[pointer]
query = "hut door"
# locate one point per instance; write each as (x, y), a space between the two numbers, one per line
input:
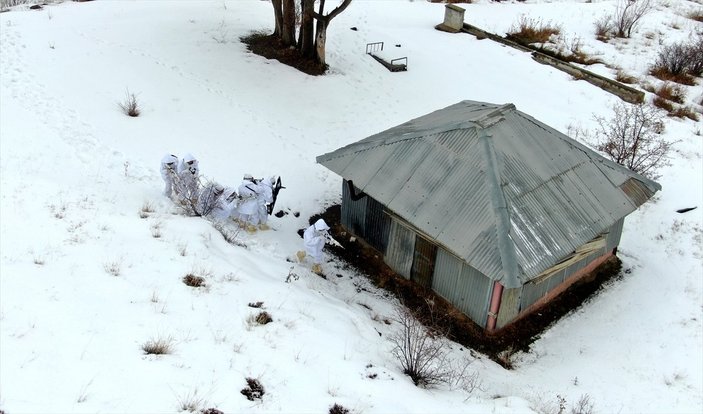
(423, 262)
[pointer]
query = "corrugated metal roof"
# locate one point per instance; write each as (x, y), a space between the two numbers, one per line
(503, 191)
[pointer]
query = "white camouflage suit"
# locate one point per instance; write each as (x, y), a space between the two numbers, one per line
(249, 204)
(265, 198)
(169, 165)
(188, 178)
(314, 241)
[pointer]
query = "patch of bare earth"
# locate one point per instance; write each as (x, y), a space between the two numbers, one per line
(270, 47)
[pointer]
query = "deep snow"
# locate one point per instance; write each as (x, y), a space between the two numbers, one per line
(75, 174)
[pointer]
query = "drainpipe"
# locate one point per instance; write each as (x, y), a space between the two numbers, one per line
(495, 306)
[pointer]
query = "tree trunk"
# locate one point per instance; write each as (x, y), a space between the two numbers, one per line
(323, 22)
(320, 40)
(307, 32)
(288, 26)
(278, 18)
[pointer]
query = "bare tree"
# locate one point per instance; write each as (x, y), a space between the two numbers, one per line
(421, 354)
(312, 37)
(323, 21)
(628, 14)
(632, 138)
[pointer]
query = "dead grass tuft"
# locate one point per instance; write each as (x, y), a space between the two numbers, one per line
(254, 390)
(696, 15)
(623, 77)
(130, 105)
(671, 92)
(663, 104)
(158, 346)
(193, 280)
(529, 30)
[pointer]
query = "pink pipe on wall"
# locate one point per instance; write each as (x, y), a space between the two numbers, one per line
(495, 306)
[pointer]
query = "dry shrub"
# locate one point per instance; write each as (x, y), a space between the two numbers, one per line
(211, 411)
(665, 75)
(130, 105)
(603, 28)
(663, 104)
(193, 280)
(623, 77)
(158, 346)
(696, 15)
(528, 30)
(685, 112)
(680, 62)
(671, 92)
(338, 409)
(263, 318)
(254, 390)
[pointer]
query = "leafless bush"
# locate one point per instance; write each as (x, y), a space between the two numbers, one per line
(114, 268)
(338, 409)
(158, 346)
(631, 137)
(190, 402)
(229, 233)
(130, 105)
(680, 61)
(254, 390)
(421, 352)
(671, 92)
(695, 56)
(211, 411)
(672, 60)
(583, 406)
(529, 30)
(628, 14)
(604, 28)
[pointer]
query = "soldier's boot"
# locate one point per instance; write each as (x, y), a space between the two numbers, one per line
(301, 255)
(316, 268)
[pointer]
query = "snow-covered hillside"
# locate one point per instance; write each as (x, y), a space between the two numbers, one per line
(92, 255)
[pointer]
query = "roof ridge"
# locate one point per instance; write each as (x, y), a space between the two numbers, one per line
(506, 247)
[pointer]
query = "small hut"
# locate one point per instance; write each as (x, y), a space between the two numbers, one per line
(491, 209)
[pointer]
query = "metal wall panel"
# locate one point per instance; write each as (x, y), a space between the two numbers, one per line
(463, 286)
(400, 250)
(377, 225)
(615, 232)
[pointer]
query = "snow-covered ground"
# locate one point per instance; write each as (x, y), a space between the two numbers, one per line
(85, 282)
